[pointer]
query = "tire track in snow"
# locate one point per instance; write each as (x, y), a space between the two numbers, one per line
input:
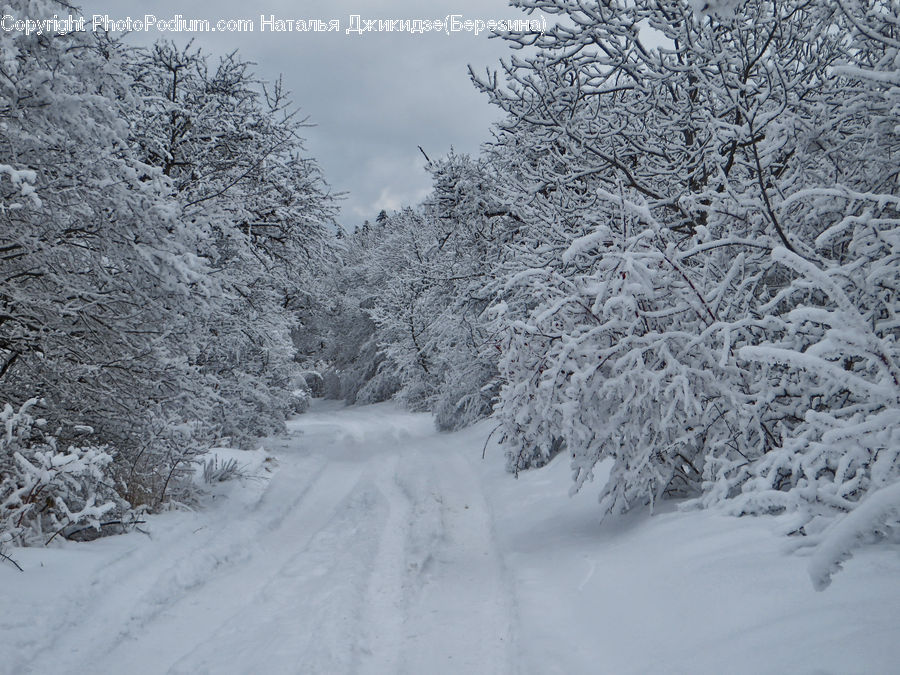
(384, 614)
(460, 613)
(230, 596)
(154, 575)
(308, 616)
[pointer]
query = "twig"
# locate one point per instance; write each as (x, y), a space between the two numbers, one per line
(484, 449)
(6, 557)
(121, 523)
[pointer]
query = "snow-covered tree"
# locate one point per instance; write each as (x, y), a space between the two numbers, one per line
(159, 224)
(96, 269)
(687, 182)
(419, 323)
(829, 353)
(232, 152)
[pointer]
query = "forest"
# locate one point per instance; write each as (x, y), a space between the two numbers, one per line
(678, 256)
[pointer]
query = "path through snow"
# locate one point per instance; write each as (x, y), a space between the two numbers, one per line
(370, 550)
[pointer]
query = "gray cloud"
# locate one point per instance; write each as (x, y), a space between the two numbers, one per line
(372, 98)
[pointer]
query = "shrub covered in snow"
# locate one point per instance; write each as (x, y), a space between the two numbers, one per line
(45, 490)
(877, 518)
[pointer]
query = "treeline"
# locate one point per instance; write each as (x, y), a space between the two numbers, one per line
(679, 254)
(160, 227)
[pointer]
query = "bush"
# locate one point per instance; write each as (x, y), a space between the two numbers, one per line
(45, 490)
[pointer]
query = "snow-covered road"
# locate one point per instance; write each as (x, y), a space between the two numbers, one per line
(377, 545)
(370, 550)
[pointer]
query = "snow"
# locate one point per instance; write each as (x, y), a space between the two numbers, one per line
(373, 544)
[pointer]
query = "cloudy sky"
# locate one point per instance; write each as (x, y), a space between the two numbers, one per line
(374, 97)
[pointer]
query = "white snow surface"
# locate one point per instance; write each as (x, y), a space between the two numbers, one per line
(374, 544)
